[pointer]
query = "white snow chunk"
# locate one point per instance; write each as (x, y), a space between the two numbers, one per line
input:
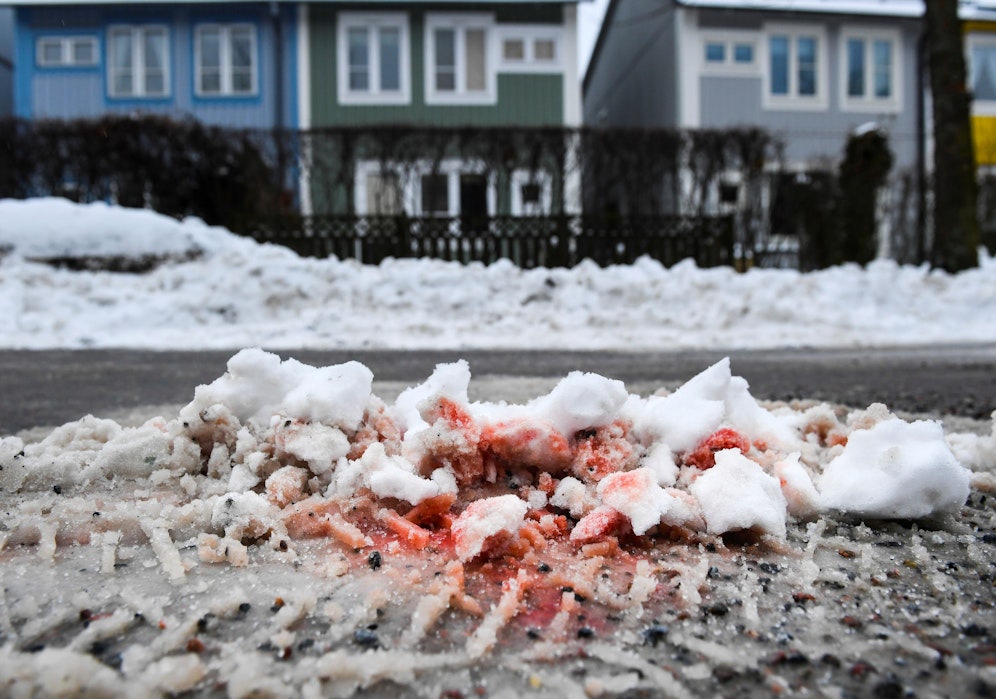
(387, 476)
(258, 385)
(797, 487)
(660, 459)
(690, 414)
(581, 401)
(749, 418)
(447, 381)
(737, 494)
(895, 469)
(319, 445)
(572, 495)
(636, 495)
(485, 518)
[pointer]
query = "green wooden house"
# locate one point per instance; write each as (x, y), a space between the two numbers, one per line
(453, 111)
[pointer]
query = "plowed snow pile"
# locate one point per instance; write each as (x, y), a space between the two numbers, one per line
(289, 533)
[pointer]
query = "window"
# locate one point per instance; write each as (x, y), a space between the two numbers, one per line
(66, 51)
(373, 58)
(138, 62)
(796, 74)
(871, 70)
(982, 72)
(529, 48)
(730, 53)
(383, 194)
(513, 50)
(225, 59)
(458, 61)
(531, 194)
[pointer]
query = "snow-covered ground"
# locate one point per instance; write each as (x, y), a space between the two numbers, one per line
(239, 294)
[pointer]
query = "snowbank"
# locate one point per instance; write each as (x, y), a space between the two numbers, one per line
(240, 294)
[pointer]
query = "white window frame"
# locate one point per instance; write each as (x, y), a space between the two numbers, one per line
(227, 88)
(793, 100)
(870, 103)
(530, 34)
(980, 107)
(138, 32)
(460, 23)
(67, 45)
(730, 40)
(522, 177)
(372, 22)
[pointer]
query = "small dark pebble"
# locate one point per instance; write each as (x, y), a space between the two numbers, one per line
(973, 630)
(543, 568)
(989, 538)
(586, 632)
(305, 643)
(888, 689)
(713, 572)
(244, 608)
(202, 623)
(374, 560)
(366, 638)
(788, 657)
(85, 615)
(99, 647)
(724, 673)
(983, 689)
(710, 547)
(35, 648)
(57, 489)
(654, 634)
(266, 647)
(889, 544)
(770, 568)
(718, 609)
(830, 659)
(532, 634)
(579, 597)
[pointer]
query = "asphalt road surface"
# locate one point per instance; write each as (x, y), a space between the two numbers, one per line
(51, 387)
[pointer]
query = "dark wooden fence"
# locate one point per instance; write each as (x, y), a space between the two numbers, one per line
(542, 241)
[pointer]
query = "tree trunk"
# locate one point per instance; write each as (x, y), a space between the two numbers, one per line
(956, 226)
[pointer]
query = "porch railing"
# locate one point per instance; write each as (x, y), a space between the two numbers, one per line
(527, 241)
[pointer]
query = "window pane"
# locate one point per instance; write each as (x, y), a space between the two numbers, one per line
(983, 74)
(390, 59)
(806, 46)
(882, 58)
(210, 82)
(155, 50)
(715, 52)
(155, 83)
(476, 61)
(435, 194)
(242, 81)
(779, 65)
(514, 50)
(743, 53)
(445, 59)
(241, 48)
(855, 68)
(51, 51)
(83, 52)
(123, 84)
(383, 194)
(210, 48)
(545, 50)
(359, 58)
(121, 50)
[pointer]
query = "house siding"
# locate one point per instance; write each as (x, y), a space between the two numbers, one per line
(819, 134)
(649, 74)
(633, 82)
(523, 99)
(67, 93)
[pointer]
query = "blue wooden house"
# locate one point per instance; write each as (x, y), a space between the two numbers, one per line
(224, 63)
